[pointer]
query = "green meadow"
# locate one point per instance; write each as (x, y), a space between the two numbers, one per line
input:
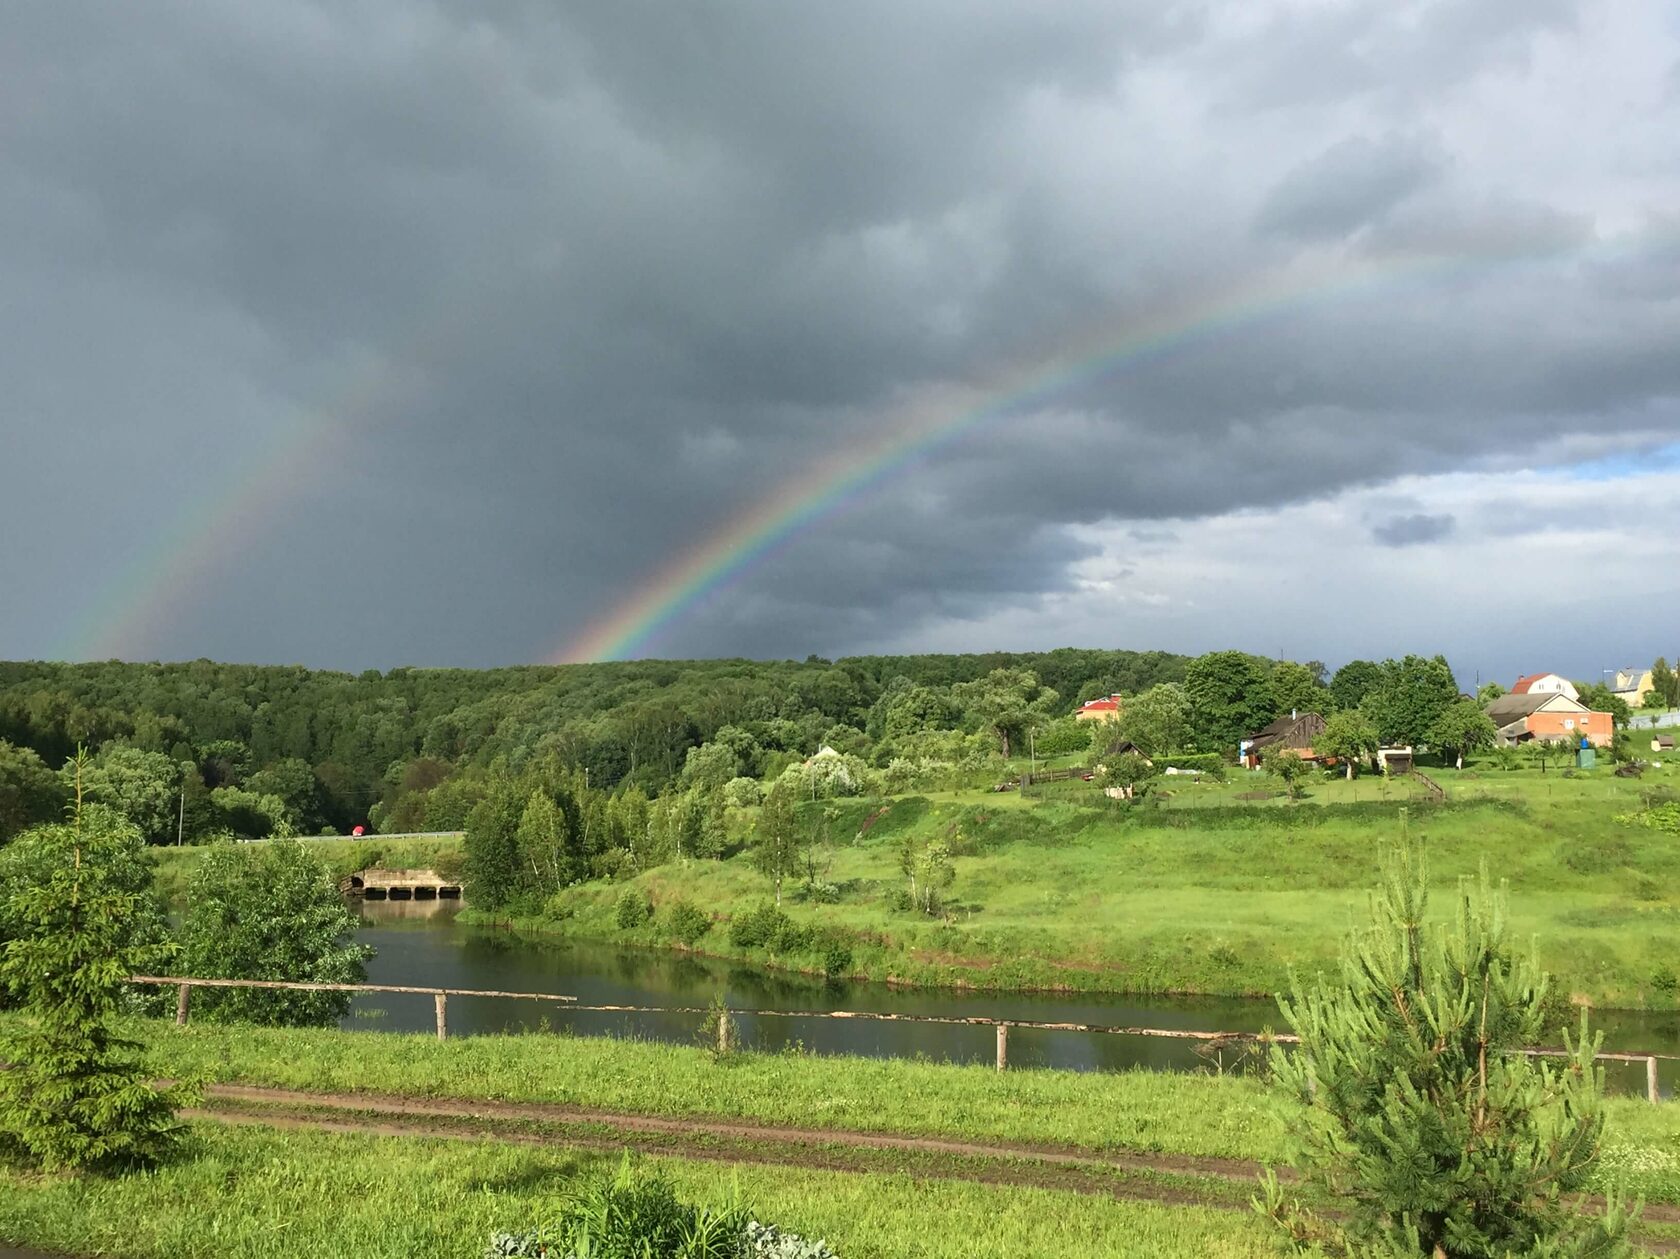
(260, 1192)
(263, 1194)
(1222, 889)
(1219, 896)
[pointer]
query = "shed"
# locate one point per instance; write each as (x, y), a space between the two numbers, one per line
(1394, 760)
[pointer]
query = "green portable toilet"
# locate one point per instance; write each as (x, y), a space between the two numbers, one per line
(1586, 756)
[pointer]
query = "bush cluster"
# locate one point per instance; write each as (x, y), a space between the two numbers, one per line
(629, 1216)
(686, 921)
(633, 909)
(768, 928)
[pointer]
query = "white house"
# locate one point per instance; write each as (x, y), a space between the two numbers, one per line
(1545, 684)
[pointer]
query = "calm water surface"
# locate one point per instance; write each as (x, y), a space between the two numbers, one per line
(421, 943)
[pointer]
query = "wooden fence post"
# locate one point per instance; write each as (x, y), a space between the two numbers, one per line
(181, 999)
(1651, 1089)
(1002, 1046)
(442, 1016)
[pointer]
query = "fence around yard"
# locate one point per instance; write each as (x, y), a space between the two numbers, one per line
(440, 996)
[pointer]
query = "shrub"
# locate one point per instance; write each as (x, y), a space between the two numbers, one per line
(792, 937)
(632, 909)
(686, 922)
(818, 892)
(756, 928)
(837, 957)
(629, 1216)
(1665, 981)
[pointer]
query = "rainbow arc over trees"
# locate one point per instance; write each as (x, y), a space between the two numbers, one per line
(139, 603)
(837, 482)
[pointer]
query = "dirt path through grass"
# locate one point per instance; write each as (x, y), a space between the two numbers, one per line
(1219, 1183)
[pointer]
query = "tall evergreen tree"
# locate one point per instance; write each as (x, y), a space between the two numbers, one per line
(1413, 1110)
(77, 1094)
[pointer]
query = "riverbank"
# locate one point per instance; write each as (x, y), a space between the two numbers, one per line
(1221, 901)
(405, 1146)
(1053, 895)
(444, 853)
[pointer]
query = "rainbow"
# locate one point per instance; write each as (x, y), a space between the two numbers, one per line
(917, 431)
(132, 613)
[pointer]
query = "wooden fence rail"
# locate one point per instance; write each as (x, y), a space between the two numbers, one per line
(440, 995)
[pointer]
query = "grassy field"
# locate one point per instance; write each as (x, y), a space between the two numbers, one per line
(1220, 897)
(262, 1194)
(1198, 890)
(252, 1191)
(1220, 1116)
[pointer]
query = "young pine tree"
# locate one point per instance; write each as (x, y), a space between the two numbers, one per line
(77, 1094)
(1413, 1112)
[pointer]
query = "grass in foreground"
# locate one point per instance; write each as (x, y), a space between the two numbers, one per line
(1147, 1112)
(260, 1194)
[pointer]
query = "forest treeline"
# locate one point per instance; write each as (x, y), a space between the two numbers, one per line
(200, 748)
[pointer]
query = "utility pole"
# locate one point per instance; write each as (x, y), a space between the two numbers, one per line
(181, 817)
(1032, 757)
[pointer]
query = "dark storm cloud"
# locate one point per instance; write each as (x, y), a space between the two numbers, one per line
(1413, 530)
(1347, 186)
(571, 287)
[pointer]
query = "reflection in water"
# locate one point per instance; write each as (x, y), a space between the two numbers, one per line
(420, 943)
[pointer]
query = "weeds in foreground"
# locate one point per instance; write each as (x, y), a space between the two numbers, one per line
(631, 1215)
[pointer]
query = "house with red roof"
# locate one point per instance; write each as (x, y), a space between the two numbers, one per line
(1544, 684)
(1107, 708)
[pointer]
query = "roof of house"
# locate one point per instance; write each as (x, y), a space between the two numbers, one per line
(1107, 703)
(1295, 730)
(1526, 683)
(1514, 707)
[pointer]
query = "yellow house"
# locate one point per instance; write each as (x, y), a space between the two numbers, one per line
(1632, 686)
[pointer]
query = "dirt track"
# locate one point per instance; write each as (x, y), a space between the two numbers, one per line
(1218, 1183)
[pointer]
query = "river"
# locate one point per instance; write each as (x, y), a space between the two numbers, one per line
(421, 943)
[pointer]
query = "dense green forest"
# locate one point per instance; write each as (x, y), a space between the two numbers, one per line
(200, 748)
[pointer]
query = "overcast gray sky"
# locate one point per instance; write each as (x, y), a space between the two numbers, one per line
(376, 333)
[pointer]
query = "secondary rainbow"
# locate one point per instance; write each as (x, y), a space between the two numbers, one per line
(844, 477)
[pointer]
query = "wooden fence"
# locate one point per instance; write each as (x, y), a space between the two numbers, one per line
(440, 996)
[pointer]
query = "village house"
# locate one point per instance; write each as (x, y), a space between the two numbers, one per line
(1521, 718)
(1107, 708)
(1295, 732)
(1631, 686)
(1545, 684)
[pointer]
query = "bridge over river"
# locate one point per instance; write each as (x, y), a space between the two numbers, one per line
(378, 884)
